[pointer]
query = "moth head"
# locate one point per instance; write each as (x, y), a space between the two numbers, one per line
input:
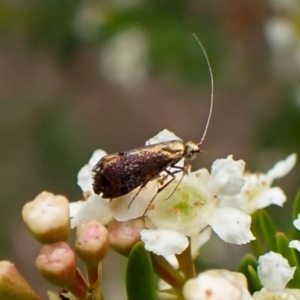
(191, 150)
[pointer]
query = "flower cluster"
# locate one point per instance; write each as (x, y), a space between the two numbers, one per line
(172, 229)
(274, 273)
(226, 195)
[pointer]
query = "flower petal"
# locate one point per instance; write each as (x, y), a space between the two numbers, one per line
(270, 196)
(163, 136)
(132, 206)
(75, 207)
(231, 225)
(197, 241)
(296, 222)
(94, 208)
(286, 294)
(96, 156)
(295, 244)
(188, 208)
(274, 271)
(84, 177)
(227, 176)
(282, 167)
(164, 242)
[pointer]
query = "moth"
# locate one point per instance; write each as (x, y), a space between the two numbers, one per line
(119, 173)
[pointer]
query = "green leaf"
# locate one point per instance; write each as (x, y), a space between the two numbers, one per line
(296, 211)
(256, 245)
(248, 266)
(247, 260)
(290, 255)
(268, 229)
(255, 282)
(140, 282)
(282, 243)
(264, 230)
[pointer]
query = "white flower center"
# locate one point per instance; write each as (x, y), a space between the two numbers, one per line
(187, 209)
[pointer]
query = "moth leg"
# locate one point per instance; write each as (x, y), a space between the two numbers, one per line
(183, 173)
(181, 169)
(142, 186)
(164, 177)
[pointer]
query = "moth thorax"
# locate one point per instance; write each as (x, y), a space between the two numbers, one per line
(191, 150)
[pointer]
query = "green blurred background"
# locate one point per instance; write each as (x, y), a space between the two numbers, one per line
(80, 75)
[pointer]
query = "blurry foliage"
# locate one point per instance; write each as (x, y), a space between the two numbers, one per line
(283, 128)
(47, 23)
(168, 25)
(50, 22)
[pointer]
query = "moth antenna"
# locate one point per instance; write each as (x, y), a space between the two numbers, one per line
(212, 90)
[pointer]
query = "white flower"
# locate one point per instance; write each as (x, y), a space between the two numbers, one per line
(195, 204)
(287, 294)
(124, 57)
(187, 210)
(257, 193)
(217, 285)
(281, 34)
(274, 273)
(164, 242)
(94, 207)
(226, 177)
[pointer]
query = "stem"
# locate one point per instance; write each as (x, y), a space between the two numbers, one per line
(186, 263)
(92, 274)
(164, 270)
(96, 288)
(79, 287)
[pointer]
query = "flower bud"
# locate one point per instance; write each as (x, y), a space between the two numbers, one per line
(12, 284)
(123, 235)
(91, 242)
(57, 264)
(47, 218)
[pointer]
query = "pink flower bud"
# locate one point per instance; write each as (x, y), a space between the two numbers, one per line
(91, 243)
(57, 263)
(123, 235)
